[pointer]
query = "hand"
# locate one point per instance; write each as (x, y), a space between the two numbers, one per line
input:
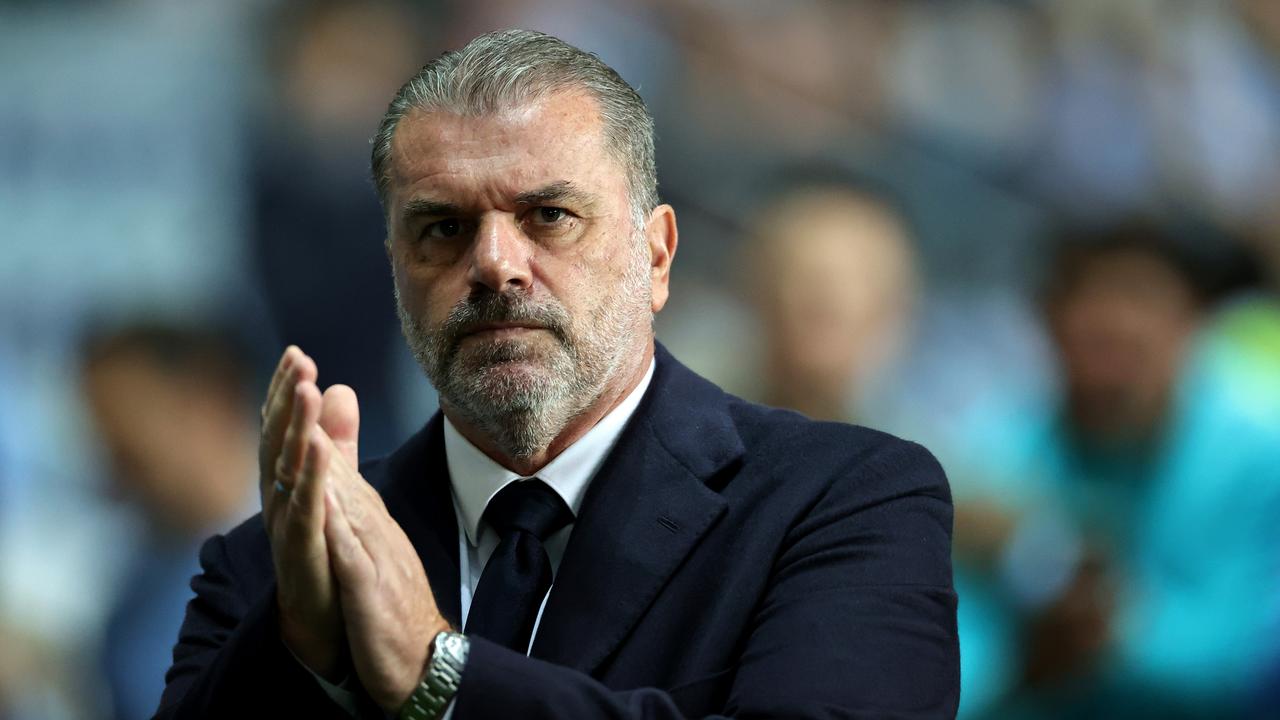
(391, 616)
(1072, 634)
(293, 511)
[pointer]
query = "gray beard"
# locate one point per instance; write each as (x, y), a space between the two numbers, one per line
(523, 408)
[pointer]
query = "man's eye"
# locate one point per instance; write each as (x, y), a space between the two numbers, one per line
(549, 215)
(443, 229)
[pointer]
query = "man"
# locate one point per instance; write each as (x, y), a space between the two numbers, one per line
(1136, 562)
(835, 296)
(709, 557)
(182, 471)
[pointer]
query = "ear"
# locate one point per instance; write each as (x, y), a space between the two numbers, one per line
(663, 237)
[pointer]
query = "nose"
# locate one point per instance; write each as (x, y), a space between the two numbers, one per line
(500, 255)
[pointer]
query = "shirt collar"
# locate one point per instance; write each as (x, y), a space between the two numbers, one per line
(476, 478)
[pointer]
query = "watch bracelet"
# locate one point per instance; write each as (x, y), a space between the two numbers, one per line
(438, 686)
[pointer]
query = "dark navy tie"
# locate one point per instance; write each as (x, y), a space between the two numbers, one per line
(516, 578)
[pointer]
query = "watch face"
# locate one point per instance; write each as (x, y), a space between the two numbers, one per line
(455, 645)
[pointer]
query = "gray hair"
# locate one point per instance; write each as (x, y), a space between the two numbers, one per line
(511, 68)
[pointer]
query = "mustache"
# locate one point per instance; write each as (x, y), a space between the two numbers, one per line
(484, 308)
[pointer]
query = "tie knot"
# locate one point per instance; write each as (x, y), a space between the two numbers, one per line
(528, 505)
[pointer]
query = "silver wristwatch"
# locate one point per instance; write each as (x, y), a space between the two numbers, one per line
(444, 672)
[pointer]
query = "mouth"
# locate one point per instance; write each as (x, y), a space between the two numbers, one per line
(500, 330)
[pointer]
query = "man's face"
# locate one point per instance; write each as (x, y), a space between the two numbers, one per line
(1122, 332)
(179, 440)
(523, 283)
(836, 289)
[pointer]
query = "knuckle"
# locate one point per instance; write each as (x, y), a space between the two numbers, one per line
(356, 515)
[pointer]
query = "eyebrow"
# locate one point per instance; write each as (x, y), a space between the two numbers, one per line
(421, 207)
(557, 192)
(561, 191)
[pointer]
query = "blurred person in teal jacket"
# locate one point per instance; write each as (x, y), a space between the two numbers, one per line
(1139, 505)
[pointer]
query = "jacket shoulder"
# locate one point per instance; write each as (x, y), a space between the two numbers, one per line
(785, 445)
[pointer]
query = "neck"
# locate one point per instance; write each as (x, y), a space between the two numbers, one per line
(816, 399)
(615, 391)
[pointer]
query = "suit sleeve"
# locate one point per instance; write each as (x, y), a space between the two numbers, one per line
(229, 661)
(858, 619)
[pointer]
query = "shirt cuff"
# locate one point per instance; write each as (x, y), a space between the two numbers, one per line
(345, 697)
(341, 693)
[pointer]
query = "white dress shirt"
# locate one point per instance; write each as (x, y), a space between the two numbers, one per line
(475, 479)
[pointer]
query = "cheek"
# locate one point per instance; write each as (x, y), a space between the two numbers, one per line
(580, 280)
(574, 293)
(421, 291)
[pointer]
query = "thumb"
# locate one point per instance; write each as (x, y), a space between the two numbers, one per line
(340, 419)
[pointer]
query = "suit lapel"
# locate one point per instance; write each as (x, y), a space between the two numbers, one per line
(414, 482)
(645, 511)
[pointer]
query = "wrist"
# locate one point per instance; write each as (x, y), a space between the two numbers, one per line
(446, 658)
(441, 626)
(319, 655)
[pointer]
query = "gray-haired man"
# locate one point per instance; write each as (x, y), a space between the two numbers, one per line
(587, 529)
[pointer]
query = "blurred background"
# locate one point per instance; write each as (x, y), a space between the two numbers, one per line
(1041, 237)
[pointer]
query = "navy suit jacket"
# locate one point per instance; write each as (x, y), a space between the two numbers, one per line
(728, 560)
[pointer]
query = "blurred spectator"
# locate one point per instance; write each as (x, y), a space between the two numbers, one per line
(172, 407)
(1245, 343)
(1122, 308)
(834, 281)
(316, 226)
(835, 316)
(844, 330)
(120, 188)
(1138, 508)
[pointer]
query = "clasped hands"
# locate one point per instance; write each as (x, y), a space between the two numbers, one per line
(347, 575)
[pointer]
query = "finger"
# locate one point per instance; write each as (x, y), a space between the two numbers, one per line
(283, 367)
(278, 405)
(288, 463)
(340, 418)
(268, 451)
(306, 413)
(306, 505)
(300, 550)
(347, 489)
(352, 564)
(280, 410)
(278, 482)
(340, 412)
(362, 507)
(267, 443)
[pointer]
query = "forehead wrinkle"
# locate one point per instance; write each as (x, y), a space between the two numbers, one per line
(489, 160)
(483, 137)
